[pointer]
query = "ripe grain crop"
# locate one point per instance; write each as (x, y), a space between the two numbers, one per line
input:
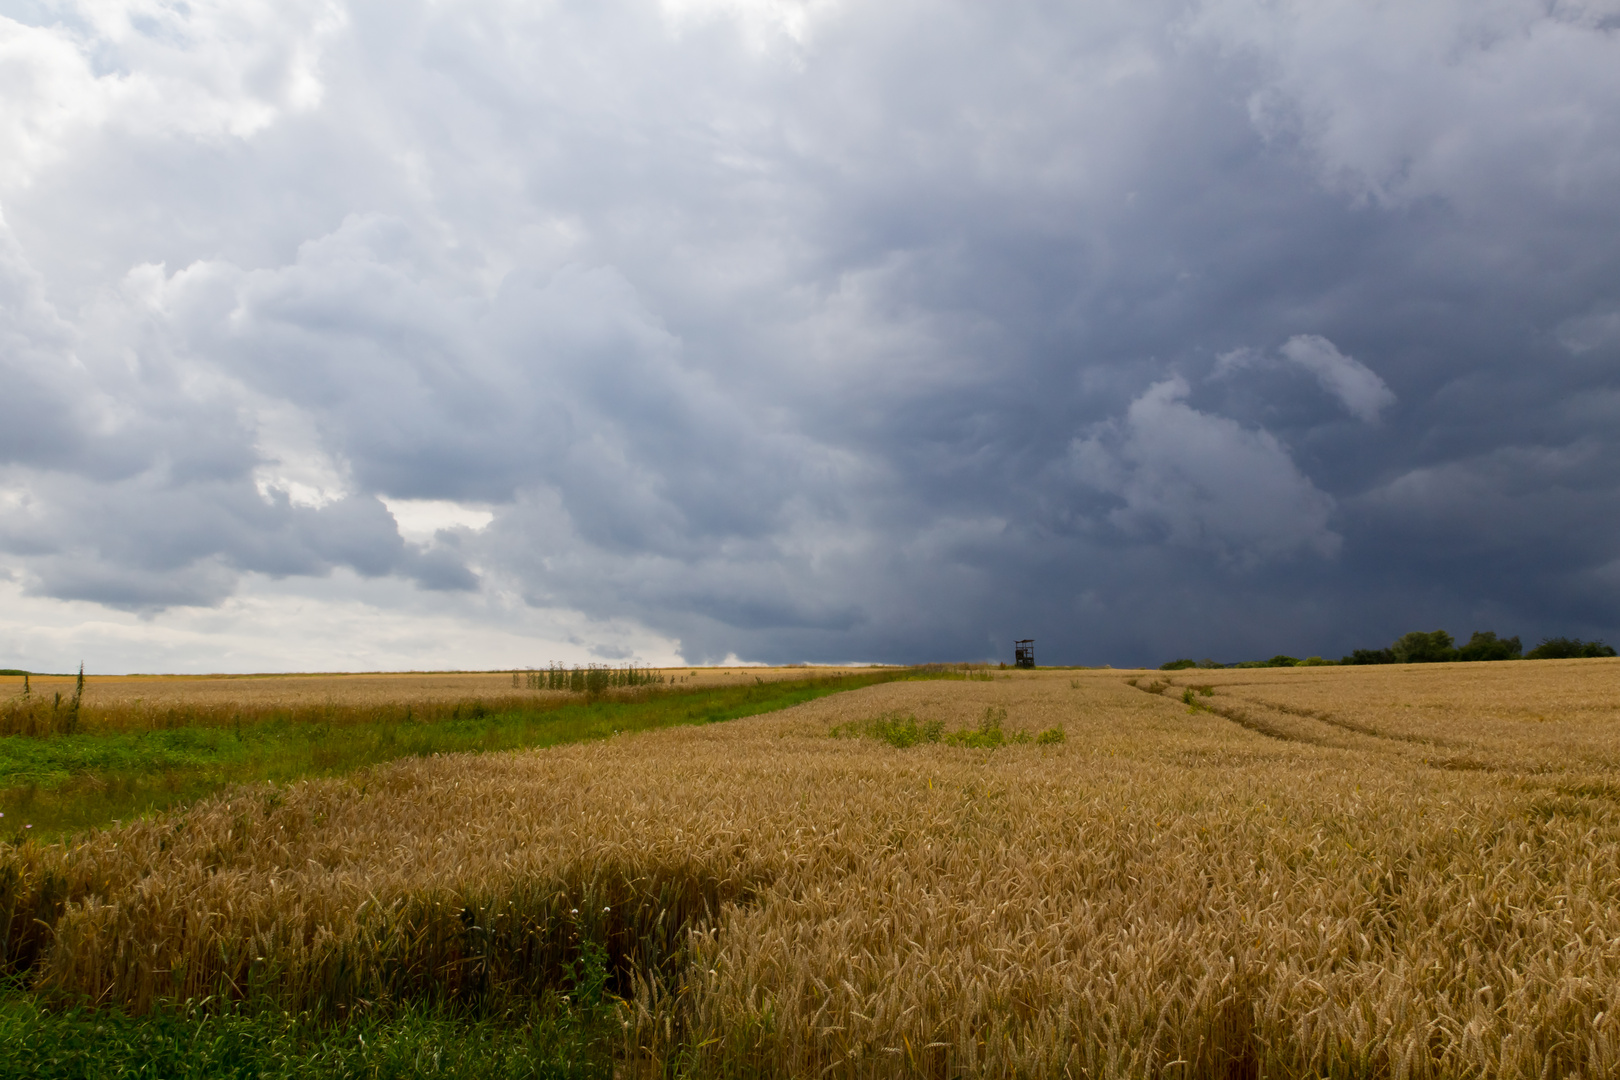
(1307, 872)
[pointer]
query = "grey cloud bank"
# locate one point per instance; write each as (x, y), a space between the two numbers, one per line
(812, 331)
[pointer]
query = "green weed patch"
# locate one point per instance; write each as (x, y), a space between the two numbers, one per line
(546, 1040)
(906, 730)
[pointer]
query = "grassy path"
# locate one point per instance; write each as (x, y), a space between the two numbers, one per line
(53, 786)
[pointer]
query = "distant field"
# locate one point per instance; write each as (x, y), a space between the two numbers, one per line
(133, 745)
(114, 693)
(1347, 872)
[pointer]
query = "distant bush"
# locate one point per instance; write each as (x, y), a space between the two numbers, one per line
(1485, 645)
(1561, 648)
(1434, 647)
(1429, 647)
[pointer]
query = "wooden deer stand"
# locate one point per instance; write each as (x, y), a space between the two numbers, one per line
(1024, 653)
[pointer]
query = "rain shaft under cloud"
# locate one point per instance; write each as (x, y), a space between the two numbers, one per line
(804, 331)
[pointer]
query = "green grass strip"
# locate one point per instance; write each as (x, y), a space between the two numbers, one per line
(61, 784)
(541, 1041)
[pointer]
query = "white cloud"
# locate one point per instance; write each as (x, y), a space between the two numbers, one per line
(48, 90)
(760, 19)
(1360, 389)
(1597, 329)
(1468, 101)
(340, 624)
(420, 519)
(295, 463)
(1204, 481)
(205, 69)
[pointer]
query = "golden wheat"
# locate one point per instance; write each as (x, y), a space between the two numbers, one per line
(1309, 872)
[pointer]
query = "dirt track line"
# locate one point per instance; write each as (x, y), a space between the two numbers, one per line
(1236, 716)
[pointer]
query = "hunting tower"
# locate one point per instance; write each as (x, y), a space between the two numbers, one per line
(1024, 653)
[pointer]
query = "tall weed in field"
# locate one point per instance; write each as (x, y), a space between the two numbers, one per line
(28, 715)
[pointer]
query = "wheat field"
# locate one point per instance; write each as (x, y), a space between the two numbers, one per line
(112, 692)
(1346, 872)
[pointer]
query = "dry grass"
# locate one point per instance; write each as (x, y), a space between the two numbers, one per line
(1352, 872)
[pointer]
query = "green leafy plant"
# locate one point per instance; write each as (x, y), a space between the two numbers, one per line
(989, 734)
(586, 976)
(1191, 694)
(895, 729)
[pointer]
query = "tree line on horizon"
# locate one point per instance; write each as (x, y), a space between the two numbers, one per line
(1428, 647)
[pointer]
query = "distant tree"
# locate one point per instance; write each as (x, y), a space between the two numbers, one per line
(1316, 661)
(1206, 662)
(1419, 648)
(1369, 656)
(1485, 645)
(1561, 648)
(1178, 665)
(1282, 661)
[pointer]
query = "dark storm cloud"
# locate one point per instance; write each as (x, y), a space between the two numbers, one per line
(826, 331)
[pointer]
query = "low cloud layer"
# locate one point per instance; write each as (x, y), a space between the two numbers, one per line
(806, 331)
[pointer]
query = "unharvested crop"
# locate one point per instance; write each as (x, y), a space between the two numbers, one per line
(1316, 872)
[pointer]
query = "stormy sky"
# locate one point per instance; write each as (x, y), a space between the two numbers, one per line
(485, 333)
